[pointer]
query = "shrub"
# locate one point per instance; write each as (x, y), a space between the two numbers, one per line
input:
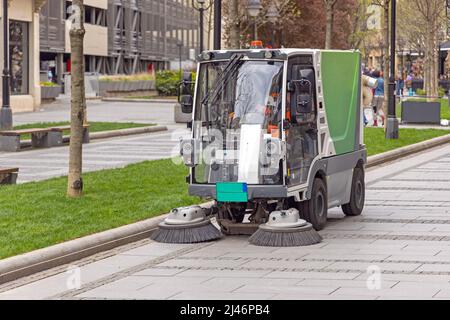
(48, 84)
(421, 92)
(167, 82)
(126, 78)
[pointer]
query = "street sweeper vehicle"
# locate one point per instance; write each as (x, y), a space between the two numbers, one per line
(277, 140)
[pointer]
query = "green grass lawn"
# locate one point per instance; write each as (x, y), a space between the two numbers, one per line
(153, 97)
(376, 143)
(94, 126)
(445, 109)
(38, 214)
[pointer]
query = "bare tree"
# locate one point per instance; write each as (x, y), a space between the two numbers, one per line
(235, 42)
(329, 9)
(78, 100)
(431, 12)
(237, 23)
(209, 18)
(385, 5)
(361, 36)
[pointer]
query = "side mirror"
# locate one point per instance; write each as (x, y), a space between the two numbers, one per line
(303, 90)
(185, 93)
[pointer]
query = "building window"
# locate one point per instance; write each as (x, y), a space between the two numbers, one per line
(18, 50)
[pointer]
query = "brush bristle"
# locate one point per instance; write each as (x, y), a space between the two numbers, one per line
(267, 238)
(193, 234)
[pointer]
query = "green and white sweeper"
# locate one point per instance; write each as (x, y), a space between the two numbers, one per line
(277, 140)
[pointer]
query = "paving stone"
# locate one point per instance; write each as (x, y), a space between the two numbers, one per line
(143, 294)
(286, 264)
(434, 268)
(343, 283)
(229, 296)
(289, 296)
(391, 292)
(313, 275)
(159, 272)
(298, 289)
(223, 273)
(384, 266)
(204, 263)
(218, 281)
(417, 278)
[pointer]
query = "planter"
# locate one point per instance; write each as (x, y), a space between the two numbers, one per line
(49, 93)
(179, 116)
(418, 84)
(421, 112)
(125, 86)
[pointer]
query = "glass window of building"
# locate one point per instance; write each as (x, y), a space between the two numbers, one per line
(18, 50)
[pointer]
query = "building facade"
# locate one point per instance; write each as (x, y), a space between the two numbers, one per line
(23, 45)
(122, 36)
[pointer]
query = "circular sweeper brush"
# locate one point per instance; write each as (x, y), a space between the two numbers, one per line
(186, 225)
(285, 229)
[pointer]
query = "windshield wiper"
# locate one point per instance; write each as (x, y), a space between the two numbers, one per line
(226, 72)
(223, 79)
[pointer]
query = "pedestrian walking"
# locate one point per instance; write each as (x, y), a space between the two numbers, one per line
(378, 98)
(399, 85)
(408, 83)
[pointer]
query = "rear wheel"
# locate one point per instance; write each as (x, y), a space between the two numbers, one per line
(315, 210)
(358, 194)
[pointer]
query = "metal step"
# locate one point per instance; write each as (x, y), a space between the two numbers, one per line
(232, 228)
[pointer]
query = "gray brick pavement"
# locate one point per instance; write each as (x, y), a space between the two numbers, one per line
(402, 233)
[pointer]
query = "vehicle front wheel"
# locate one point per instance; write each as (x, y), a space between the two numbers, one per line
(315, 210)
(358, 194)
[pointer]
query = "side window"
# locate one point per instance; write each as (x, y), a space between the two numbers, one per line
(302, 90)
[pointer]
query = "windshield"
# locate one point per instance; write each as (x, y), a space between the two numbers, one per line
(234, 97)
(250, 94)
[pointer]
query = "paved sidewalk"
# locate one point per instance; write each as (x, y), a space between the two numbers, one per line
(398, 248)
(40, 164)
(97, 110)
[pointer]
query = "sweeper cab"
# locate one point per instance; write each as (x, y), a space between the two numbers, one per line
(277, 139)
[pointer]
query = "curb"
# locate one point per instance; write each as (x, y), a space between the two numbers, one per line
(125, 132)
(398, 153)
(42, 259)
(109, 134)
(171, 101)
(39, 260)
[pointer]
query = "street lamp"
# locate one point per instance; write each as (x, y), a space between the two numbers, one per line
(253, 8)
(180, 46)
(217, 24)
(5, 111)
(392, 121)
(200, 7)
(273, 15)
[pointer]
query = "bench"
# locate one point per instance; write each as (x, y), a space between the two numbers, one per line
(59, 130)
(8, 175)
(40, 138)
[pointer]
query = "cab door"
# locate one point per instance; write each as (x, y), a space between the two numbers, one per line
(301, 113)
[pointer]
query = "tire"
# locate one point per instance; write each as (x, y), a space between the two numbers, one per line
(358, 194)
(315, 210)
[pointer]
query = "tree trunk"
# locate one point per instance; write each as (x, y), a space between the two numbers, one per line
(234, 29)
(78, 101)
(329, 5)
(436, 53)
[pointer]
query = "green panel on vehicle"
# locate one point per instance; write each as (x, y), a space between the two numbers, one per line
(231, 192)
(340, 79)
